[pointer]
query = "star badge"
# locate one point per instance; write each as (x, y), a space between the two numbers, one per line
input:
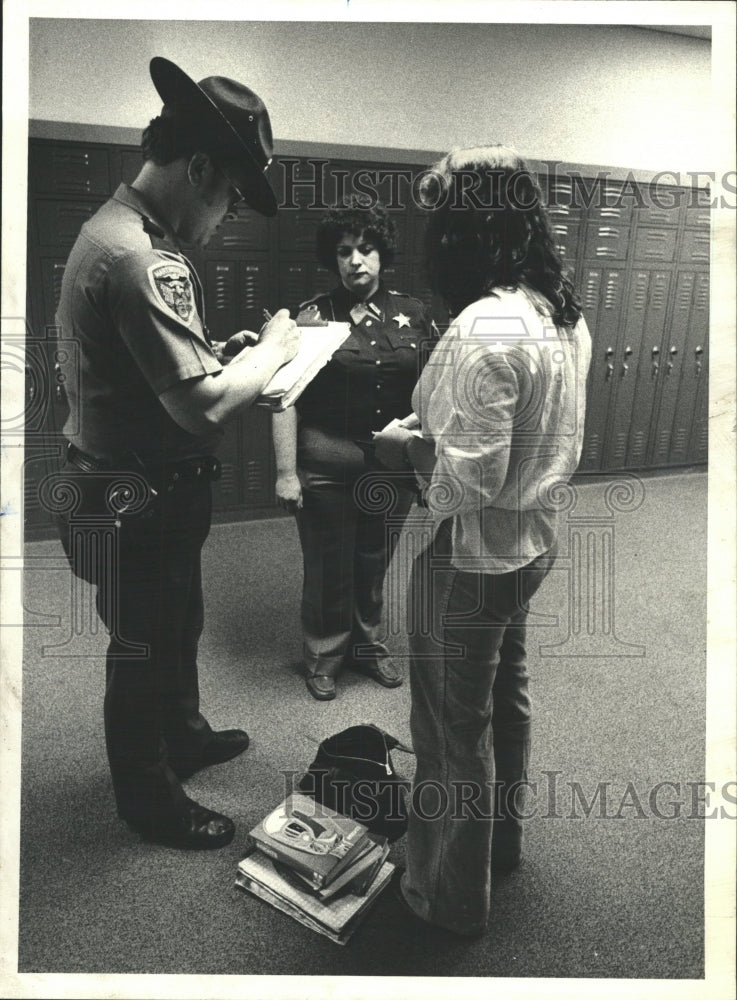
(401, 320)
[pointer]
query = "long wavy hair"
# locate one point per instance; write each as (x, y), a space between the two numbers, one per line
(488, 229)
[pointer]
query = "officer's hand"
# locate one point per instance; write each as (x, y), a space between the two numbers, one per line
(289, 493)
(226, 350)
(282, 333)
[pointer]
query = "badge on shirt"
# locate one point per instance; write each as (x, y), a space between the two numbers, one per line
(172, 287)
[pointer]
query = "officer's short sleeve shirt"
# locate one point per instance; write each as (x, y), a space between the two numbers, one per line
(131, 311)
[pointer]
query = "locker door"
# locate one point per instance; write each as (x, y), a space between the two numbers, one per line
(249, 232)
(665, 444)
(693, 389)
(320, 279)
(637, 369)
(606, 240)
(698, 449)
(304, 190)
(603, 300)
(255, 295)
(567, 236)
(295, 283)
(221, 306)
(221, 298)
(256, 464)
(74, 169)
(58, 222)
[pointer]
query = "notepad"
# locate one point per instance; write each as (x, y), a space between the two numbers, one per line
(317, 346)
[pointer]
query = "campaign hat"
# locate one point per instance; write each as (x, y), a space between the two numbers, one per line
(231, 115)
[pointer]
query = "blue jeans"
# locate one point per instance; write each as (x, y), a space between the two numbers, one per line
(470, 725)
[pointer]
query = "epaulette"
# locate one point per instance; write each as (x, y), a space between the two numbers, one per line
(403, 295)
(150, 227)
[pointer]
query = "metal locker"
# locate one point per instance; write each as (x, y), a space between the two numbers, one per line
(74, 169)
(221, 298)
(602, 299)
(606, 241)
(246, 233)
(294, 284)
(638, 369)
(667, 437)
(58, 222)
(691, 411)
(655, 243)
(254, 294)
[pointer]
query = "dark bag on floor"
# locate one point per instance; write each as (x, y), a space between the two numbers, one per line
(353, 773)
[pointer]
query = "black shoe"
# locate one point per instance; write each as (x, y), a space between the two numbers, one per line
(194, 828)
(321, 686)
(383, 670)
(225, 745)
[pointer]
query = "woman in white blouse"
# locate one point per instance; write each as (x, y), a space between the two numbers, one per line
(497, 427)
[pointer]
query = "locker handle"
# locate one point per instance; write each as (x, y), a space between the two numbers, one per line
(609, 371)
(625, 368)
(655, 370)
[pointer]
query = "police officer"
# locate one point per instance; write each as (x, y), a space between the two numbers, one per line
(152, 398)
(323, 447)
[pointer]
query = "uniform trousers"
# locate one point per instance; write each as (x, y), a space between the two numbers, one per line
(470, 725)
(347, 544)
(149, 596)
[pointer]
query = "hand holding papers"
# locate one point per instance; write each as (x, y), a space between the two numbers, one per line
(317, 345)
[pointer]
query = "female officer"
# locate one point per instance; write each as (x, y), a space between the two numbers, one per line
(322, 448)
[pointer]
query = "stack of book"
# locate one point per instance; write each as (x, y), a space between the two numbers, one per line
(318, 866)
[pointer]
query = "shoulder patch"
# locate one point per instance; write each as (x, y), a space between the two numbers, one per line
(172, 287)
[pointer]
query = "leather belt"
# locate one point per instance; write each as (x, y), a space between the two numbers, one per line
(205, 468)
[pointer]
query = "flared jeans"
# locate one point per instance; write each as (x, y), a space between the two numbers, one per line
(470, 725)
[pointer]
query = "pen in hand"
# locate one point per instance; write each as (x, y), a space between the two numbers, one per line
(267, 315)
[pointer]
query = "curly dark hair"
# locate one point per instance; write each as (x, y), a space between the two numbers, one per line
(488, 229)
(170, 136)
(359, 218)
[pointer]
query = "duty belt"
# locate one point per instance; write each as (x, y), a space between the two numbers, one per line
(205, 468)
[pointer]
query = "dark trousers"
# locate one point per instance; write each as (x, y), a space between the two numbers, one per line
(146, 567)
(346, 548)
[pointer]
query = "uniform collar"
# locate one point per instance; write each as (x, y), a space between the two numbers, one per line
(152, 224)
(376, 303)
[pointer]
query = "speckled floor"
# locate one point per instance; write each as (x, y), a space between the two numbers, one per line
(620, 707)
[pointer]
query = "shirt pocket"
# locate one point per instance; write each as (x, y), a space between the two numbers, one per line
(349, 349)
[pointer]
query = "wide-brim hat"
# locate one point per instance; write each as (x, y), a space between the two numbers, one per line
(229, 113)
